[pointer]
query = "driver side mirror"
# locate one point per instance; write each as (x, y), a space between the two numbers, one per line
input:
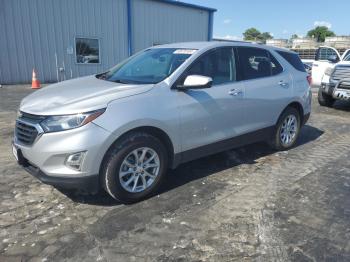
(196, 82)
(333, 59)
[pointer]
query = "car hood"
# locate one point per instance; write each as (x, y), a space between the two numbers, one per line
(78, 95)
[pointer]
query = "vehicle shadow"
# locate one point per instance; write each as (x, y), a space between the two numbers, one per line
(204, 167)
(342, 105)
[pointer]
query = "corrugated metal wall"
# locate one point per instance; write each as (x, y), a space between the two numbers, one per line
(32, 31)
(154, 22)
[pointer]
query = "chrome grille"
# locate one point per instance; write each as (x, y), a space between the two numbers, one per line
(344, 85)
(341, 72)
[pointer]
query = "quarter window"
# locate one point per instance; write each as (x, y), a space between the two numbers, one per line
(293, 59)
(87, 51)
(218, 64)
(255, 62)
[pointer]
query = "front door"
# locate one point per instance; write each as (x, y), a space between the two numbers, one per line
(322, 63)
(213, 114)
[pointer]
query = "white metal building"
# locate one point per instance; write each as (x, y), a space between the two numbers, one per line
(64, 39)
(277, 42)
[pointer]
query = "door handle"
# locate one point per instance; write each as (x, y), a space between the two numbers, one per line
(283, 84)
(235, 92)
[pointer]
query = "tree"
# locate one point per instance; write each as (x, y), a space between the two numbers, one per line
(320, 33)
(294, 36)
(265, 36)
(253, 34)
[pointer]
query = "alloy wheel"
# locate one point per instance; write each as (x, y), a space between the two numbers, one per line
(139, 169)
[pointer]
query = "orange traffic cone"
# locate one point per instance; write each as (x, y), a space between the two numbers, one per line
(35, 81)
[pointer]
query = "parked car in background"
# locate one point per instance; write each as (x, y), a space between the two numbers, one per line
(335, 83)
(325, 57)
(121, 130)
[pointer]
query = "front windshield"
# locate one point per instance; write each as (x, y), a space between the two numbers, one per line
(148, 67)
(347, 58)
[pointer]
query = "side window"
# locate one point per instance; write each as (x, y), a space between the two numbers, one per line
(323, 53)
(276, 66)
(254, 62)
(218, 64)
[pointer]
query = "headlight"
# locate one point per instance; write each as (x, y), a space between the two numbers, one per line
(328, 71)
(66, 122)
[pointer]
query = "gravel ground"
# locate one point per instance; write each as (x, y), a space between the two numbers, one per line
(247, 204)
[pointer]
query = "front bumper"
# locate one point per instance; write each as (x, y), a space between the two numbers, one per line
(336, 90)
(87, 184)
(46, 157)
(328, 88)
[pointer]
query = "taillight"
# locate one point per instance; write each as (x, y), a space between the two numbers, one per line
(309, 79)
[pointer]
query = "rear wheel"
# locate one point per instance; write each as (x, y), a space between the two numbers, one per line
(134, 167)
(325, 99)
(287, 129)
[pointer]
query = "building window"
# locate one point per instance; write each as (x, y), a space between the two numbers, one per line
(87, 50)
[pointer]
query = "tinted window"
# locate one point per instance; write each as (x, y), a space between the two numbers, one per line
(324, 53)
(255, 62)
(87, 51)
(293, 59)
(218, 64)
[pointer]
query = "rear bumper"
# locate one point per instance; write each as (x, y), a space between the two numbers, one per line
(306, 118)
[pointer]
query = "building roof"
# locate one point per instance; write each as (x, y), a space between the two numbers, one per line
(178, 3)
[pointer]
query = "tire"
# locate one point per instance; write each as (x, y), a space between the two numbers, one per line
(277, 141)
(121, 159)
(324, 99)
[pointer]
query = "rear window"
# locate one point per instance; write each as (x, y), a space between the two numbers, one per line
(293, 59)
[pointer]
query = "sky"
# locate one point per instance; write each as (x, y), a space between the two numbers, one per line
(279, 17)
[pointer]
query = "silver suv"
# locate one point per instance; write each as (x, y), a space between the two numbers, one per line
(122, 129)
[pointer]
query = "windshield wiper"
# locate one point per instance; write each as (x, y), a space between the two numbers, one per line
(119, 81)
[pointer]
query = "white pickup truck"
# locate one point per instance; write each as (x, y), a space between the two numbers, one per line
(326, 57)
(335, 83)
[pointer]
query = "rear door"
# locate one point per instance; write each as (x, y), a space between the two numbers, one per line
(267, 87)
(321, 63)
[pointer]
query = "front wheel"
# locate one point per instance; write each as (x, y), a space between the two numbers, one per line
(325, 99)
(134, 167)
(287, 129)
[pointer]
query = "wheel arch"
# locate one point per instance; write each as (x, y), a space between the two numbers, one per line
(296, 105)
(151, 130)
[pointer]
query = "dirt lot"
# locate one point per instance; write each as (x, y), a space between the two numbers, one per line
(248, 204)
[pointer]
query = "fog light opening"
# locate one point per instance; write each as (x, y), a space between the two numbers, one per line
(75, 160)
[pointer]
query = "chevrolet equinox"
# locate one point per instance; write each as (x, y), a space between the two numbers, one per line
(122, 129)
